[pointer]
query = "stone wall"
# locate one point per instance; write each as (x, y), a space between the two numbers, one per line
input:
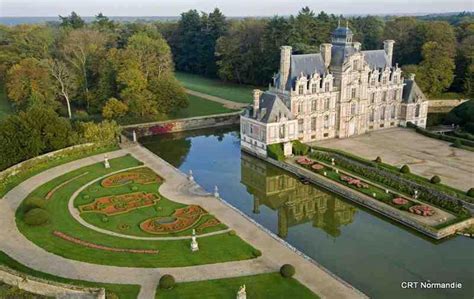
(368, 202)
(180, 125)
(444, 105)
(48, 288)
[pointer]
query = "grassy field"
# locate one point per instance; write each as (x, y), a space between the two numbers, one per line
(234, 92)
(129, 223)
(5, 107)
(123, 291)
(268, 286)
(173, 253)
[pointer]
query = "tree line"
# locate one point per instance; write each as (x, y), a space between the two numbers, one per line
(438, 49)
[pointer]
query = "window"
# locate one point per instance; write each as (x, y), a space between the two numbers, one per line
(384, 80)
(382, 114)
(326, 104)
(326, 134)
(372, 115)
(417, 110)
(353, 93)
(313, 124)
(300, 107)
(300, 125)
(394, 111)
(372, 98)
(384, 96)
(300, 89)
(326, 86)
(353, 109)
(282, 131)
(326, 121)
(372, 81)
(395, 79)
(313, 105)
(314, 87)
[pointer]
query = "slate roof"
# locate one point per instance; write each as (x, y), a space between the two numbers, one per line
(411, 91)
(307, 64)
(376, 59)
(271, 108)
(339, 54)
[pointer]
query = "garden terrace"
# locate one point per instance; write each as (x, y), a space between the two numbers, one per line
(171, 253)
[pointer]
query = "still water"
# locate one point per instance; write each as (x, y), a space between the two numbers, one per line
(370, 252)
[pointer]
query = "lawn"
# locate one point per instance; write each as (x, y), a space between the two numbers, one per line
(197, 107)
(5, 106)
(230, 91)
(271, 286)
(123, 291)
(129, 222)
(172, 253)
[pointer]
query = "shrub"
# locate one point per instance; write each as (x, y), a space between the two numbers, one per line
(134, 188)
(86, 196)
(36, 217)
(257, 253)
(287, 270)
(167, 282)
(105, 219)
(435, 179)
(34, 202)
(470, 192)
(378, 159)
(405, 169)
(299, 148)
(232, 233)
(275, 151)
(114, 108)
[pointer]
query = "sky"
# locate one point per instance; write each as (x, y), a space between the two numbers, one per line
(229, 7)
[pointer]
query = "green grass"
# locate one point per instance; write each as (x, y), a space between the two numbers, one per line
(268, 286)
(36, 167)
(448, 96)
(197, 107)
(132, 219)
(5, 106)
(218, 88)
(172, 253)
(123, 291)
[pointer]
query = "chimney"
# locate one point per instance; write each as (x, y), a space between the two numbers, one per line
(325, 50)
(388, 47)
(256, 100)
(285, 60)
(356, 46)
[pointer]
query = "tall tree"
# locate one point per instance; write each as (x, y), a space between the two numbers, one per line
(405, 32)
(186, 48)
(214, 26)
(65, 81)
(73, 21)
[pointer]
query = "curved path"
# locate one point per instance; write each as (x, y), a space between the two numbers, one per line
(227, 103)
(178, 188)
(76, 215)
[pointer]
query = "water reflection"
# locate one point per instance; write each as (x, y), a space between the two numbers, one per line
(294, 202)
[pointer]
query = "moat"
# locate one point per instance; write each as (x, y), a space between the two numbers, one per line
(370, 252)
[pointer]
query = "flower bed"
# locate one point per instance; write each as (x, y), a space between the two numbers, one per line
(101, 247)
(399, 201)
(353, 181)
(422, 210)
(142, 176)
(209, 223)
(181, 219)
(317, 166)
(304, 161)
(118, 204)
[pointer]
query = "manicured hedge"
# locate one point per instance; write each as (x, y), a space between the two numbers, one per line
(299, 148)
(460, 141)
(275, 151)
(36, 217)
(167, 282)
(287, 270)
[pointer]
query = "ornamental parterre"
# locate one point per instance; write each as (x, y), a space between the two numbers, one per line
(141, 176)
(182, 219)
(118, 204)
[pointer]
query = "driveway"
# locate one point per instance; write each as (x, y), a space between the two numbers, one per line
(425, 156)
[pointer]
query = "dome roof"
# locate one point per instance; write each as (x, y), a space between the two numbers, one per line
(341, 32)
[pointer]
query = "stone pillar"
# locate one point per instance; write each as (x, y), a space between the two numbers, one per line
(287, 148)
(388, 47)
(285, 61)
(256, 99)
(325, 50)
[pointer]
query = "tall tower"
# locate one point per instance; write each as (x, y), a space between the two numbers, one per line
(285, 60)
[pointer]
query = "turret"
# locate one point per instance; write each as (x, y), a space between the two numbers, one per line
(285, 60)
(325, 50)
(388, 47)
(256, 99)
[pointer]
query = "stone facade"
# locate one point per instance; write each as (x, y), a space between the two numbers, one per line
(337, 93)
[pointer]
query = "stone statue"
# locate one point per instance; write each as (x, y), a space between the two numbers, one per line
(106, 162)
(194, 243)
(241, 294)
(216, 192)
(134, 134)
(190, 177)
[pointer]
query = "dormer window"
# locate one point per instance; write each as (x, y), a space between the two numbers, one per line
(300, 89)
(395, 79)
(326, 86)
(384, 80)
(372, 81)
(314, 88)
(355, 65)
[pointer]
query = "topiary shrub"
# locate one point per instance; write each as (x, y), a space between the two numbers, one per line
(86, 196)
(134, 188)
(378, 159)
(470, 192)
(287, 270)
(435, 179)
(33, 203)
(299, 148)
(36, 217)
(167, 282)
(232, 233)
(405, 169)
(275, 151)
(257, 253)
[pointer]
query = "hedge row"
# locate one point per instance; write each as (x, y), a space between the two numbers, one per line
(397, 182)
(453, 139)
(275, 151)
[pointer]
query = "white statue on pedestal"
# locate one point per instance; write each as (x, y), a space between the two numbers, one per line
(106, 162)
(194, 243)
(241, 294)
(190, 177)
(216, 192)
(134, 134)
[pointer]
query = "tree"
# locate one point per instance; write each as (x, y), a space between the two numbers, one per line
(435, 72)
(189, 40)
(169, 94)
(405, 32)
(114, 109)
(99, 133)
(103, 23)
(369, 31)
(64, 79)
(29, 82)
(73, 21)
